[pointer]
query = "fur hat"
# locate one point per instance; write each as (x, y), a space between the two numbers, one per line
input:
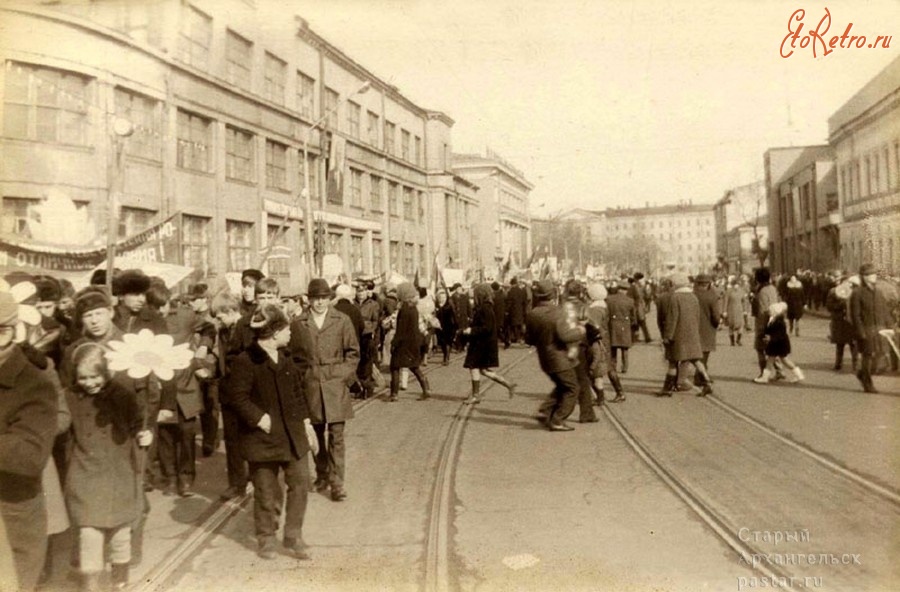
(253, 274)
(679, 280)
(130, 281)
(9, 310)
(762, 275)
(596, 291)
(91, 298)
(318, 288)
(48, 289)
(406, 292)
(268, 320)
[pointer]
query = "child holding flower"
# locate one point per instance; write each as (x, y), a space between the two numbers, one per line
(103, 478)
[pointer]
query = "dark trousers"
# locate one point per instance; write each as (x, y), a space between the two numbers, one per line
(515, 333)
(585, 392)
(209, 417)
(267, 497)
(330, 458)
(234, 462)
(565, 394)
(26, 529)
(366, 363)
(177, 451)
(642, 325)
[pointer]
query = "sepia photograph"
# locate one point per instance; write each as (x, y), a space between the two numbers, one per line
(460, 296)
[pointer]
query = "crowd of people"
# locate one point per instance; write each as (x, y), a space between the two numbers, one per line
(273, 378)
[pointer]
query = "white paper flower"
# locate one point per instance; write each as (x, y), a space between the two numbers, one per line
(140, 354)
(27, 314)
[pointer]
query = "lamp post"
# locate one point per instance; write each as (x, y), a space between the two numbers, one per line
(307, 199)
(121, 129)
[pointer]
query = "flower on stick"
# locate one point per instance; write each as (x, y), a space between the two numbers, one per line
(143, 353)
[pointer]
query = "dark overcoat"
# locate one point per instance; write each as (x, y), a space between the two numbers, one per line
(841, 328)
(515, 305)
(482, 342)
(551, 333)
(447, 318)
(500, 309)
(709, 317)
(406, 347)
(102, 484)
(869, 312)
(329, 357)
(795, 299)
(683, 326)
(258, 385)
(622, 316)
(463, 308)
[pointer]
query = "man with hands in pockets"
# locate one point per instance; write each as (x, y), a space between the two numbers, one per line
(266, 392)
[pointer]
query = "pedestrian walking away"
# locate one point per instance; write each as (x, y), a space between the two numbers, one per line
(482, 348)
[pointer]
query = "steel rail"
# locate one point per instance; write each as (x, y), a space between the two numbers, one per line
(437, 540)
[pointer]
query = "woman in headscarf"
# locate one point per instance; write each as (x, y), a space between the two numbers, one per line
(482, 352)
(406, 346)
(600, 361)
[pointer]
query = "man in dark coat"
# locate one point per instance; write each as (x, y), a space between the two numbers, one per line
(370, 313)
(870, 312)
(132, 313)
(516, 300)
(556, 339)
(622, 318)
(500, 314)
(637, 292)
(28, 406)
(266, 392)
(462, 307)
(709, 317)
(682, 331)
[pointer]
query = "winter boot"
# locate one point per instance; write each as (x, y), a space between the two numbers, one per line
(119, 577)
(731, 337)
(798, 374)
(624, 361)
(669, 386)
(764, 377)
(425, 389)
(617, 385)
(738, 338)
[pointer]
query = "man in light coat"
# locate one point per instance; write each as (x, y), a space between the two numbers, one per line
(324, 345)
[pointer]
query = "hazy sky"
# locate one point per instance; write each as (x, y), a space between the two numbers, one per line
(615, 102)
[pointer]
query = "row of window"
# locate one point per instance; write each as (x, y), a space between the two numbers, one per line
(661, 223)
(870, 174)
(195, 39)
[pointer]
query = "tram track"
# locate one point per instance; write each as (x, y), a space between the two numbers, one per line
(800, 493)
(155, 580)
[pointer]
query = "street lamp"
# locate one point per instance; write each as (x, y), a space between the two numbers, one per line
(307, 200)
(121, 128)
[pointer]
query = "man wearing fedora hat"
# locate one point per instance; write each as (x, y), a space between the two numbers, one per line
(870, 312)
(324, 344)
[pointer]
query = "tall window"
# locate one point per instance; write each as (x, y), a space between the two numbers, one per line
(408, 203)
(306, 92)
(372, 129)
(394, 251)
(239, 151)
(195, 243)
(422, 262)
(46, 105)
(418, 149)
(356, 254)
(408, 258)
(134, 220)
(876, 182)
(420, 202)
(353, 114)
(331, 103)
(377, 257)
(390, 136)
(404, 145)
(887, 169)
(144, 114)
(239, 236)
(393, 199)
(375, 193)
(356, 188)
(313, 164)
(18, 215)
(275, 74)
(237, 60)
(194, 141)
(276, 165)
(279, 258)
(194, 37)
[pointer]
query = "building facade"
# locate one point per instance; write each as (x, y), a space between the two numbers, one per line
(224, 105)
(801, 193)
(741, 227)
(865, 136)
(501, 227)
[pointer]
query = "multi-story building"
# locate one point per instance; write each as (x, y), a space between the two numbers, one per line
(624, 240)
(865, 137)
(223, 107)
(802, 201)
(501, 227)
(741, 227)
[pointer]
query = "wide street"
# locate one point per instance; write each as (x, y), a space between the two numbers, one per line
(758, 487)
